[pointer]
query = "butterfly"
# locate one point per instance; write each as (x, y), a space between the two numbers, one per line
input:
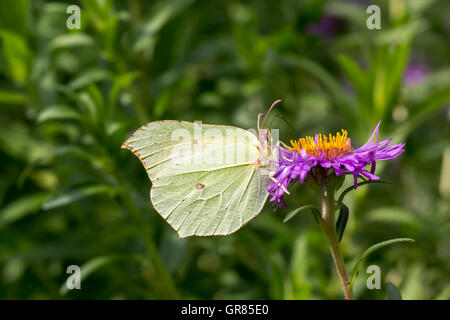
(206, 179)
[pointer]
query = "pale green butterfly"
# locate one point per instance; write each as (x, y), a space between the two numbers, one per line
(206, 179)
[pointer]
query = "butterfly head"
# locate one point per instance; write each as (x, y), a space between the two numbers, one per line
(266, 151)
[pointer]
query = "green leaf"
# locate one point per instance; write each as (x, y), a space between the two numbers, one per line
(294, 212)
(401, 34)
(414, 282)
(357, 76)
(89, 77)
(157, 20)
(15, 16)
(427, 108)
(71, 40)
(15, 138)
(75, 195)
(17, 56)
(372, 249)
(12, 98)
(299, 270)
(341, 222)
(98, 262)
(333, 86)
(416, 93)
(396, 63)
(58, 112)
(21, 208)
(445, 293)
(392, 215)
(88, 268)
(393, 292)
(352, 12)
(351, 188)
(119, 83)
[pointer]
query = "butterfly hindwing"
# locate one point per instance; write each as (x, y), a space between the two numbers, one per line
(216, 202)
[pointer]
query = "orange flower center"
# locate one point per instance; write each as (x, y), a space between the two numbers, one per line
(332, 146)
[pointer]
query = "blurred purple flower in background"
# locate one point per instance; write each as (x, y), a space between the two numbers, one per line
(415, 73)
(329, 24)
(327, 27)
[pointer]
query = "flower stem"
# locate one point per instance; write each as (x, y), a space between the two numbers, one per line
(328, 226)
(155, 258)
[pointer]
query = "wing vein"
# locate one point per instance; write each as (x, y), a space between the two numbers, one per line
(240, 199)
(234, 180)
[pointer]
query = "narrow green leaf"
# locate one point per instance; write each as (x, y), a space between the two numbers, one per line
(89, 77)
(401, 34)
(393, 292)
(71, 40)
(396, 66)
(348, 105)
(119, 83)
(357, 76)
(75, 195)
(17, 56)
(21, 208)
(294, 212)
(96, 263)
(429, 106)
(16, 140)
(158, 18)
(341, 222)
(58, 112)
(88, 268)
(12, 98)
(351, 188)
(445, 293)
(348, 10)
(393, 215)
(372, 249)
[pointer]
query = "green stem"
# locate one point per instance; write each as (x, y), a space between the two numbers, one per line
(153, 253)
(329, 228)
(145, 232)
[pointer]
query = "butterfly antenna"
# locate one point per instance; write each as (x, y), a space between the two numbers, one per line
(259, 118)
(285, 120)
(270, 109)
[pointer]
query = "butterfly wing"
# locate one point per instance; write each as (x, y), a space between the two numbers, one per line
(204, 178)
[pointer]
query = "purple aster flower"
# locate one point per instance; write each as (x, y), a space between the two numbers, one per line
(334, 154)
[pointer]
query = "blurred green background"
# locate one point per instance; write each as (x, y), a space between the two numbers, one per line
(69, 98)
